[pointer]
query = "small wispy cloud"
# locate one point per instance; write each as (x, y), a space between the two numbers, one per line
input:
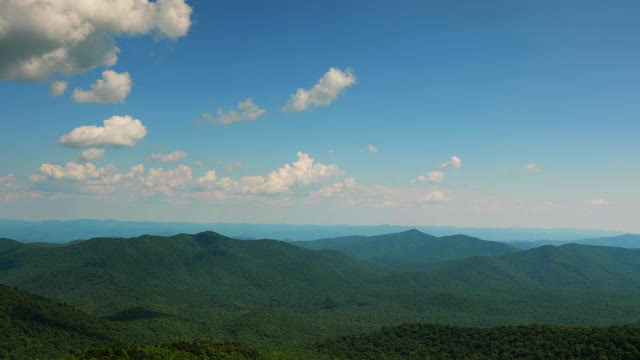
(57, 88)
(234, 166)
(247, 111)
(599, 202)
(530, 168)
(372, 148)
(332, 84)
(433, 197)
(173, 156)
(437, 175)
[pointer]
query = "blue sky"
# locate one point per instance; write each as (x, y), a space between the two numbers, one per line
(514, 113)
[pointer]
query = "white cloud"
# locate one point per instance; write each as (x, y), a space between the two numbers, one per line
(301, 173)
(173, 156)
(117, 131)
(304, 174)
(160, 181)
(247, 111)
(112, 88)
(372, 148)
(335, 188)
(436, 176)
(599, 202)
(42, 37)
(433, 197)
(234, 166)
(93, 154)
(209, 178)
(454, 162)
(58, 88)
(530, 168)
(72, 171)
(332, 83)
(432, 176)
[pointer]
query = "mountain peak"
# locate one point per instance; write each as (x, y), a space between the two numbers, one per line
(208, 237)
(414, 231)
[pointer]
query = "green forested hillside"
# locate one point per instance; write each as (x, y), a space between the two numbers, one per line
(420, 341)
(33, 327)
(271, 294)
(410, 249)
(8, 244)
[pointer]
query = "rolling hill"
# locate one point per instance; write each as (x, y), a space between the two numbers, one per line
(34, 327)
(409, 249)
(269, 293)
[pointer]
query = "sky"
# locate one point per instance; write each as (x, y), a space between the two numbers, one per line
(466, 113)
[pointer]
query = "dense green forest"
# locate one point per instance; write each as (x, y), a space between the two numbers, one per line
(409, 250)
(420, 341)
(279, 298)
(32, 327)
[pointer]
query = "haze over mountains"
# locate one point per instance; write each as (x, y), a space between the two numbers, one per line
(65, 231)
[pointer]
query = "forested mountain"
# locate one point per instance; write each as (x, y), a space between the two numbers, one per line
(409, 249)
(34, 327)
(420, 341)
(8, 244)
(269, 293)
(570, 266)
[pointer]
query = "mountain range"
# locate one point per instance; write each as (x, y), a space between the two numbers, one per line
(66, 231)
(274, 294)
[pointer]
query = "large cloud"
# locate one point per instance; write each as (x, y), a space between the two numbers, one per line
(112, 88)
(303, 172)
(42, 37)
(117, 131)
(332, 83)
(247, 111)
(301, 176)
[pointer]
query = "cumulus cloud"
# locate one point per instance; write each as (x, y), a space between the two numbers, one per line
(530, 168)
(112, 88)
(372, 148)
(93, 154)
(304, 174)
(454, 162)
(599, 202)
(42, 37)
(247, 111)
(173, 156)
(432, 176)
(117, 131)
(331, 84)
(436, 176)
(72, 171)
(432, 197)
(58, 88)
(336, 188)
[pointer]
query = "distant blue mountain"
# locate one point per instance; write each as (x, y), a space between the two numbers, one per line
(630, 241)
(65, 231)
